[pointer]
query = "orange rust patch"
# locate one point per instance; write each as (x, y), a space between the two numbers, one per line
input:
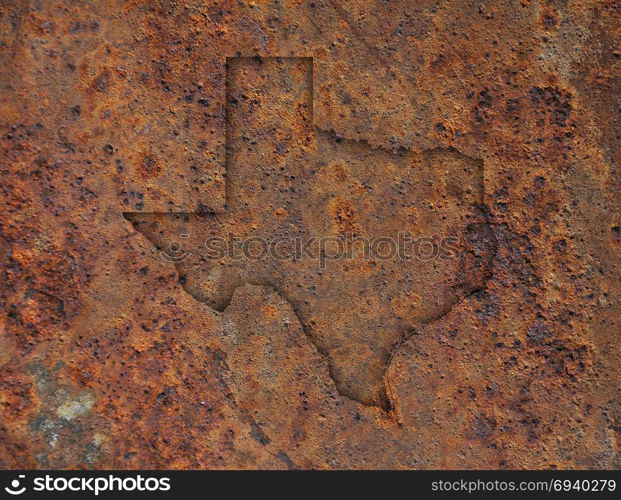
(344, 217)
(269, 311)
(281, 213)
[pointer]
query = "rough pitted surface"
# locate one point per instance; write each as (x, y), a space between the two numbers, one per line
(130, 126)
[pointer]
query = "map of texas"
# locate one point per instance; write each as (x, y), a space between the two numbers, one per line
(347, 233)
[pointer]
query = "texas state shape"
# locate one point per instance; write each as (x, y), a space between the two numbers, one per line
(288, 182)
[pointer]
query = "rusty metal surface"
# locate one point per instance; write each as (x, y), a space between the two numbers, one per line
(134, 131)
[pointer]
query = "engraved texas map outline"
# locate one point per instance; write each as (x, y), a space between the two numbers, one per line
(287, 179)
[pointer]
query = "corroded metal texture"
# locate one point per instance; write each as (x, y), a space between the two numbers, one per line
(135, 132)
